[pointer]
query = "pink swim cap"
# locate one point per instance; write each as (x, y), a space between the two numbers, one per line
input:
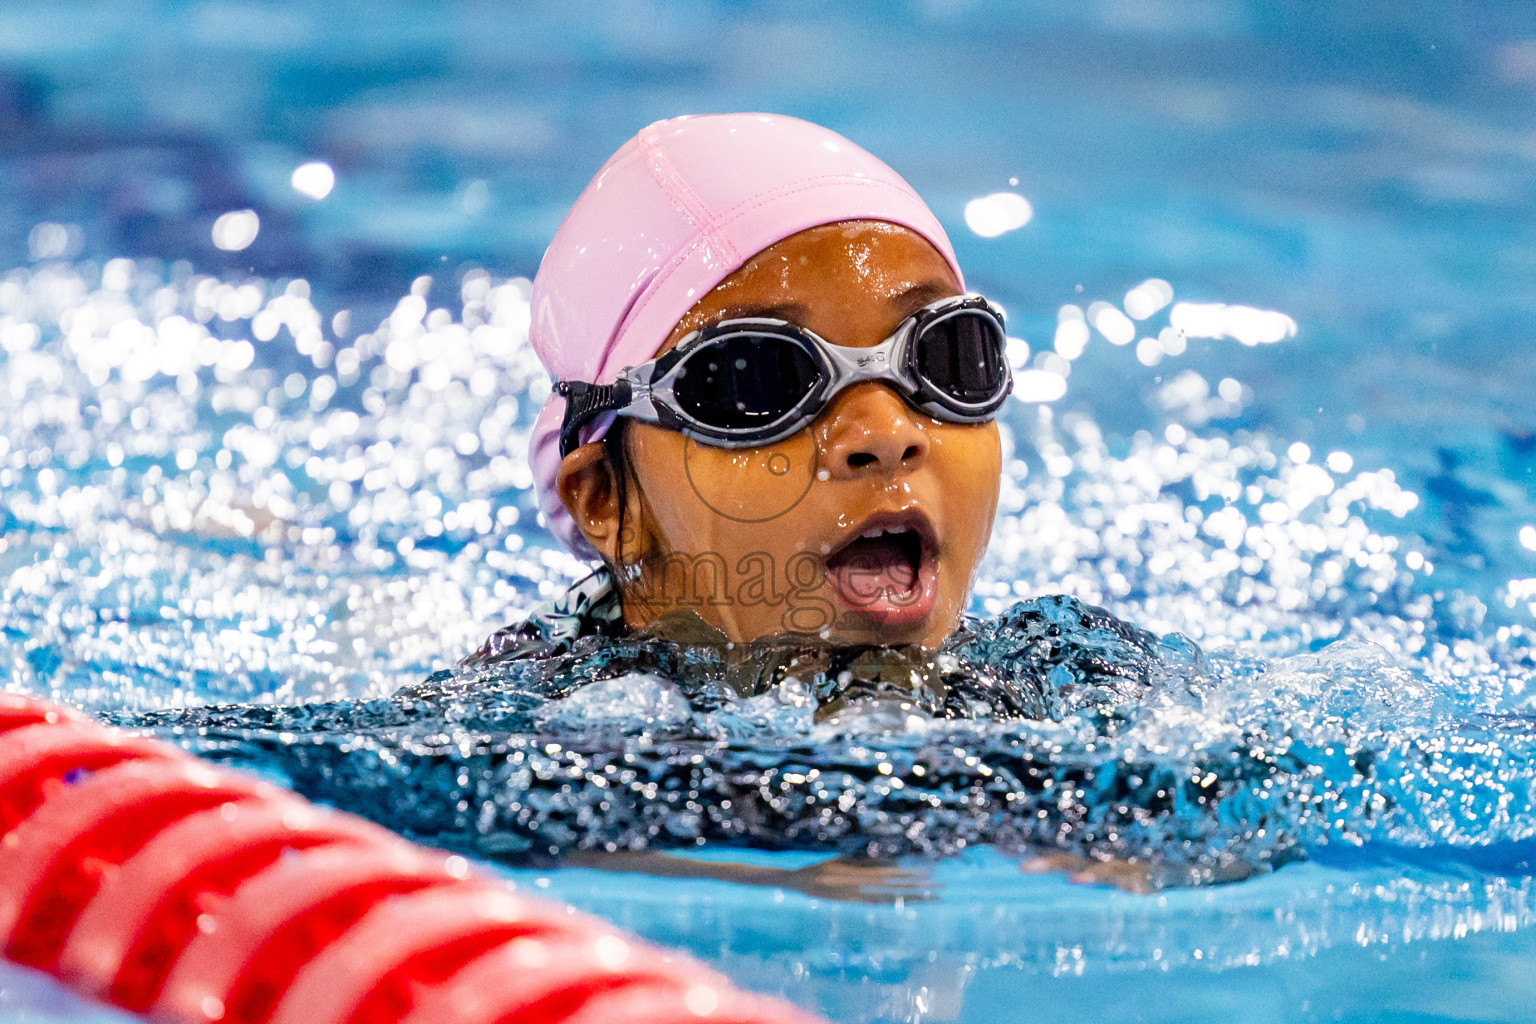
(672, 214)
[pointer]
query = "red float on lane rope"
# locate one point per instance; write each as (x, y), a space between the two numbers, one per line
(17, 711)
(546, 979)
(279, 919)
(126, 940)
(409, 943)
(53, 864)
(149, 879)
(37, 759)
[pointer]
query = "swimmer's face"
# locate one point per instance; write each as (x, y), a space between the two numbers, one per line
(867, 526)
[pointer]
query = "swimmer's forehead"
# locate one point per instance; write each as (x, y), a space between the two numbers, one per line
(820, 277)
(902, 305)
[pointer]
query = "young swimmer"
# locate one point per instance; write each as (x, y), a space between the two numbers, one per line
(773, 427)
(773, 412)
(774, 399)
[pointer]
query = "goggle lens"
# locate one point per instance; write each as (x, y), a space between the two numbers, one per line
(745, 381)
(962, 356)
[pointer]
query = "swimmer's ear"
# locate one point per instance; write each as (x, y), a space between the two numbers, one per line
(591, 494)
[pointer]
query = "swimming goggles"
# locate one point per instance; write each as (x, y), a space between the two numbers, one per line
(740, 383)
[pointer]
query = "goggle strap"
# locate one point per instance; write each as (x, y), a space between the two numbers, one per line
(584, 403)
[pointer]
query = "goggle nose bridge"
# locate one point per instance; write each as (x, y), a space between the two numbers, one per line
(851, 365)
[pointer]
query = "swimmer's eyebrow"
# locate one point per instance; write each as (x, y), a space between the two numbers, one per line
(919, 295)
(794, 312)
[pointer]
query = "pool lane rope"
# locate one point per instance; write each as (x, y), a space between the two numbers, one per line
(142, 877)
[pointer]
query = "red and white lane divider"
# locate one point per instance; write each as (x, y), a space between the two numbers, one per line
(145, 878)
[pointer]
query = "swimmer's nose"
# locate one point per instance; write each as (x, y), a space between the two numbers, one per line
(869, 430)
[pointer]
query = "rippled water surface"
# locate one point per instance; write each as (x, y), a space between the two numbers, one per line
(1286, 289)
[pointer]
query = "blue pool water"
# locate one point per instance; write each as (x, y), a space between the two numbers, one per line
(295, 471)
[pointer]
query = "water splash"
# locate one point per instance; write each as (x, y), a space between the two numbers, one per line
(212, 492)
(1125, 747)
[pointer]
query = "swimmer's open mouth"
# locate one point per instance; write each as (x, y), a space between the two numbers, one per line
(886, 567)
